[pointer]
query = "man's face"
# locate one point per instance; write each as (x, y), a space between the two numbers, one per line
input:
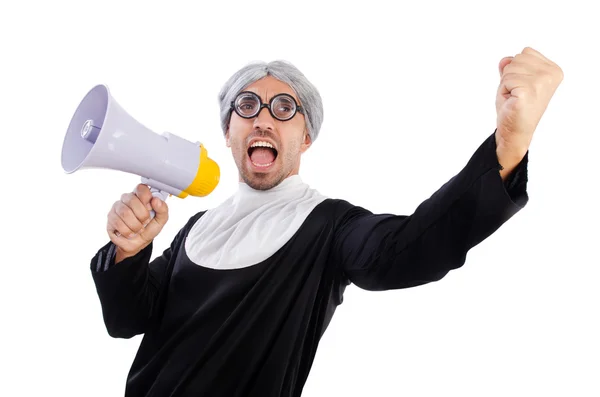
(260, 166)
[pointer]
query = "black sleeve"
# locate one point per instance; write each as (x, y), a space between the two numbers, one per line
(132, 290)
(386, 251)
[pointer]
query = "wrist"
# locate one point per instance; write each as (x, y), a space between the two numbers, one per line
(509, 155)
(121, 254)
(508, 160)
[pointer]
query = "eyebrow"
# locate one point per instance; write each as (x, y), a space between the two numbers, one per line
(247, 94)
(261, 98)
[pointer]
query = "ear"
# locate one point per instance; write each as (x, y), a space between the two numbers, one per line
(307, 142)
(227, 142)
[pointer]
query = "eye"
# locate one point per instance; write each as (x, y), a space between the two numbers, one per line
(246, 104)
(284, 106)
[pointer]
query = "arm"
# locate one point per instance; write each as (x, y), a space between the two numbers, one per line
(385, 251)
(131, 290)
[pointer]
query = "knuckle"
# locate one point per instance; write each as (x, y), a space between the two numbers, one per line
(119, 225)
(126, 197)
(528, 50)
(558, 73)
(546, 76)
(144, 220)
(125, 231)
(122, 211)
(138, 228)
(549, 76)
(142, 190)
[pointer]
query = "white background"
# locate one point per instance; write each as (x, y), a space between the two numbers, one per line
(409, 92)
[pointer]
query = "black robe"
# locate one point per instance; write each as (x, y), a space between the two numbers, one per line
(254, 331)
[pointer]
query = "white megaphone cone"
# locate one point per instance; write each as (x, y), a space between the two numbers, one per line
(103, 135)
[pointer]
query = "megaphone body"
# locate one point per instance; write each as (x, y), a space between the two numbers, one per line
(102, 134)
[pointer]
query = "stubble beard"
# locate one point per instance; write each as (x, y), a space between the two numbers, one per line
(261, 181)
(266, 181)
(258, 180)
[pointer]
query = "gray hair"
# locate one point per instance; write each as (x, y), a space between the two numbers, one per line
(284, 71)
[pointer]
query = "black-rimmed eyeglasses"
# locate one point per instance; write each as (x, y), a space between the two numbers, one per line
(282, 107)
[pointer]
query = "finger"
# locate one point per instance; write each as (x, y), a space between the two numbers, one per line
(139, 211)
(513, 80)
(127, 245)
(532, 61)
(143, 192)
(132, 220)
(116, 224)
(157, 223)
(535, 53)
(542, 64)
(519, 68)
(514, 84)
(161, 209)
(503, 63)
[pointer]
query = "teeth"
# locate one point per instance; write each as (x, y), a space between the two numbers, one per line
(261, 165)
(262, 144)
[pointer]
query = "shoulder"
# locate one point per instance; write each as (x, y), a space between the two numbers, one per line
(194, 218)
(190, 223)
(340, 210)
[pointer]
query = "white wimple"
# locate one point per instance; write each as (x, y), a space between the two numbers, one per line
(251, 225)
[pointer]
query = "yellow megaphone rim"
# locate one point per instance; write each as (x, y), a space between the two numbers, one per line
(206, 179)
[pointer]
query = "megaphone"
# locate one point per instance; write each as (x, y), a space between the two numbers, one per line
(102, 134)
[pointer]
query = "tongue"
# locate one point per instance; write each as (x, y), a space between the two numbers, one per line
(262, 155)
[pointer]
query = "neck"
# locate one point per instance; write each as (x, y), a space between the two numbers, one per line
(290, 180)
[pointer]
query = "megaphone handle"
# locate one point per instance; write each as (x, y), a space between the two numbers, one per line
(161, 194)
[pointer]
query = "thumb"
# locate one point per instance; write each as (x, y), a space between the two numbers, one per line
(161, 209)
(503, 63)
(156, 224)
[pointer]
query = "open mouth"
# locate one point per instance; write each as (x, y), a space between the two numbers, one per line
(262, 154)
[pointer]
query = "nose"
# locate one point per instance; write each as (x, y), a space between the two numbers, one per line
(264, 120)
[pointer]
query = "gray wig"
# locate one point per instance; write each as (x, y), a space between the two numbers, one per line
(284, 71)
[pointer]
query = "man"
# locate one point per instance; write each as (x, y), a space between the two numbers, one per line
(237, 304)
